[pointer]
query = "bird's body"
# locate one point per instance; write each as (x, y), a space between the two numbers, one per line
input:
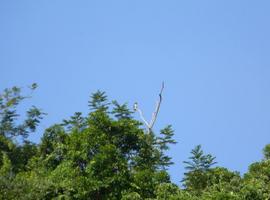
(135, 106)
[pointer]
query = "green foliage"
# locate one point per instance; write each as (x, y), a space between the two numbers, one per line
(9, 101)
(5, 170)
(199, 161)
(166, 191)
(163, 143)
(21, 154)
(121, 111)
(107, 155)
(98, 101)
(170, 191)
(131, 196)
(103, 156)
(196, 177)
(257, 181)
(266, 151)
(77, 121)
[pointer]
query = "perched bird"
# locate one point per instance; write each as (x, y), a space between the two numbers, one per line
(135, 106)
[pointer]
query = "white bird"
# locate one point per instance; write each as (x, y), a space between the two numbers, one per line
(135, 106)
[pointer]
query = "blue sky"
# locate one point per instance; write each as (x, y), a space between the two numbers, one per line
(212, 55)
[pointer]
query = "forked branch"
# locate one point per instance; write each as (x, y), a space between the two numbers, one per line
(154, 114)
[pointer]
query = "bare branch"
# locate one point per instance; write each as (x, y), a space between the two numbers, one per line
(155, 113)
(143, 119)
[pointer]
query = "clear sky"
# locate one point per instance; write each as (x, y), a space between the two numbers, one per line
(212, 55)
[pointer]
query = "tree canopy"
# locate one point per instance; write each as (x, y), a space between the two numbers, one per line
(107, 154)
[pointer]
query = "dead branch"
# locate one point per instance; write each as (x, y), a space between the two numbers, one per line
(143, 119)
(154, 114)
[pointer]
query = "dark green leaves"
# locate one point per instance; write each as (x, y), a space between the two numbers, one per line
(9, 126)
(77, 121)
(196, 177)
(98, 101)
(266, 151)
(121, 111)
(199, 161)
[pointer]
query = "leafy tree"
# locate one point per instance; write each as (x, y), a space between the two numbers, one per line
(21, 154)
(98, 101)
(52, 149)
(9, 101)
(107, 155)
(199, 161)
(77, 121)
(170, 191)
(163, 145)
(103, 156)
(167, 191)
(257, 180)
(196, 177)
(222, 184)
(131, 196)
(15, 155)
(121, 111)
(5, 170)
